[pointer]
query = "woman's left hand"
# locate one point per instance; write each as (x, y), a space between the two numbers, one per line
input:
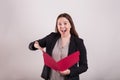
(65, 72)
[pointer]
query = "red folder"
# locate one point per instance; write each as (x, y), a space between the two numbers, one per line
(63, 64)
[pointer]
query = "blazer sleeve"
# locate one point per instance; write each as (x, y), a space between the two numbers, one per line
(83, 66)
(42, 42)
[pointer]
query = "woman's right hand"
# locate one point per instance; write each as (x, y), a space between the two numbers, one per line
(36, 45)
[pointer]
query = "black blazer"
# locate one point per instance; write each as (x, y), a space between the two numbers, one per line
(75, 44)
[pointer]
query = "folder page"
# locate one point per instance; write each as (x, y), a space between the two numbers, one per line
(63, 64)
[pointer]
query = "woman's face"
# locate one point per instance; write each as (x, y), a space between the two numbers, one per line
(63, 26)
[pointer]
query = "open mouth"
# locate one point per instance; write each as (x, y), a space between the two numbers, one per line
(63, 30)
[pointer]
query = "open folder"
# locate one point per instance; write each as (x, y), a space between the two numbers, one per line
(63, 64)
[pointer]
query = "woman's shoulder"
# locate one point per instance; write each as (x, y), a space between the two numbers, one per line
(78, 38)
(54, 34)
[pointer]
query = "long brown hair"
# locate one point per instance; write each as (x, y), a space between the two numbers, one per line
(68, 17)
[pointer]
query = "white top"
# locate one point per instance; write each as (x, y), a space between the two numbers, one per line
(58, 53)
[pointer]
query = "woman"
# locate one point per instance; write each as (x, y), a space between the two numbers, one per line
(60, 44)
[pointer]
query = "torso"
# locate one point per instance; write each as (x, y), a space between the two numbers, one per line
(59, 52)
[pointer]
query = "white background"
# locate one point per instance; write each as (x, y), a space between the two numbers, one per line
(23, 21)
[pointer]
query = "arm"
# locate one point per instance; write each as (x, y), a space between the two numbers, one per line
(39, 44)
(35, 46)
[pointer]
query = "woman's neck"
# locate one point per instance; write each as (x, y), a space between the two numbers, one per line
(65, 36)
(65, 40)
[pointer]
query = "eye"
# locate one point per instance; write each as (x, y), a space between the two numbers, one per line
(59, 24)
(65, 23)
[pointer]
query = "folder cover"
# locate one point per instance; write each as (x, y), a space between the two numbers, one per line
(63, 64)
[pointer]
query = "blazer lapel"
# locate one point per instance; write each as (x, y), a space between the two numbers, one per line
(72, 45)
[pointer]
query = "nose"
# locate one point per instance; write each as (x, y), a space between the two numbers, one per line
(62, 26)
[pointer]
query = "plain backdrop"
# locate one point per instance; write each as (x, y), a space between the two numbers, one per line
(23, 21)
